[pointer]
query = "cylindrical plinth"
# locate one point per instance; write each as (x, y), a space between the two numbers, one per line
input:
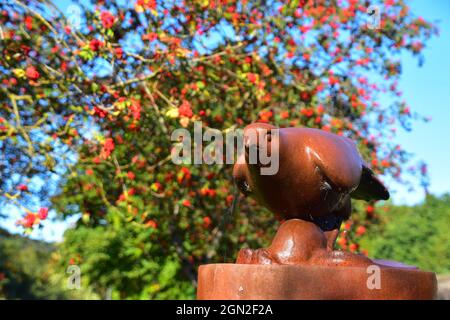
(289, 282)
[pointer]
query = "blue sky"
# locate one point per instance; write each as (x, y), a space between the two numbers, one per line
(426, 89)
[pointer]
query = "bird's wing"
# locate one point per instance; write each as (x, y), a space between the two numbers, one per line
(338, 160)
(370, 188)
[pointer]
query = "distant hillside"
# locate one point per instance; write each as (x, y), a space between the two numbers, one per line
(29, 270)
(24, 268)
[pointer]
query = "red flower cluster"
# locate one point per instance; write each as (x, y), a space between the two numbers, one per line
(131, 175)
(332, 80)
(146, 4)
(229, 199)
(360, 230)
(252, 77)
(184, 175)
(108, 147)
(22, 187)
(152, 36)
(100, 112)
(207, 222)
(31, 219)
(96, 44)
(136, 109)
(119, 52)
(307, 112)
(32, 73)
(265, 116)
(43, 213)
(156, 186)
(151, 224)
(185, 109)
(107, 19)
(28, 22)
(207, 192)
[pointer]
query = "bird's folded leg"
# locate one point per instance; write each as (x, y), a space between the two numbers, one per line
(258, 256)
(331, 238)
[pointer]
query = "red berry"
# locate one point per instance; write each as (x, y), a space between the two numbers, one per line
(207, 222)
(131, 175)
(251, 77)
(95, 44)
(151, 224)
(185, 109)
(32, 73)
(353, 247)
(22, 187)
(29, 220)
(107, 19)
(43, 213)
(360, 230)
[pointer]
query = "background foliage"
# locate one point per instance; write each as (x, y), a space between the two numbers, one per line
(88, 102)
(416, 235)
(27, 271)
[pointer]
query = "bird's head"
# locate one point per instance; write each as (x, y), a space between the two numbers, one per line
(259, 159)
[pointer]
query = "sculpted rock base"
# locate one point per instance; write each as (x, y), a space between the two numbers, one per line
(300, 242)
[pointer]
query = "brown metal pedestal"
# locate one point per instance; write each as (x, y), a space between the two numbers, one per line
(293, 282)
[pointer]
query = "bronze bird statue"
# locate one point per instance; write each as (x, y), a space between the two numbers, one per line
(318, 174)
(307, 177)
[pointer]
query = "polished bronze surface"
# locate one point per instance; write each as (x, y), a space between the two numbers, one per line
(301, 242)
(319, 172)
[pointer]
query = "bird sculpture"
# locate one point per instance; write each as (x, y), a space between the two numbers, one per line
(318, 174)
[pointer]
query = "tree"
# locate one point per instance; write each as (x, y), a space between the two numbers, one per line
(89, 107)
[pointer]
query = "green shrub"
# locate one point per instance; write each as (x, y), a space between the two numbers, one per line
(417, 235)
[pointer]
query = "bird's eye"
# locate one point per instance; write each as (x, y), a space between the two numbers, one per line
(244, 186)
